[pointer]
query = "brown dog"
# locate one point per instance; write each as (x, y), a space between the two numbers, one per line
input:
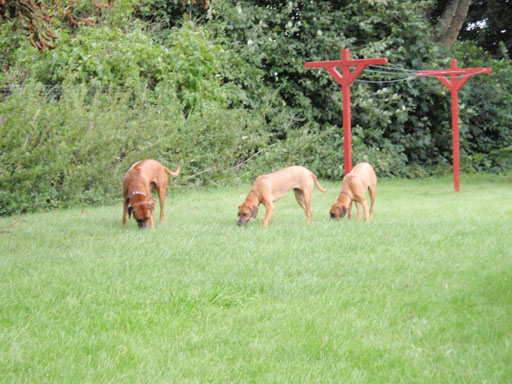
(353, 187)
(269, 188)
(138, 182)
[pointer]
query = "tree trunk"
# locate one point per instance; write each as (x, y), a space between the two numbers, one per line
(451, 21)
(446, 18)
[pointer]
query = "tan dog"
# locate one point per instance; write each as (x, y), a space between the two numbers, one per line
(269, 188)
(138, 182)
(354, 185)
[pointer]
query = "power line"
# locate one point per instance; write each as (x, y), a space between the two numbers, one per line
(409, 78)
(391, 67)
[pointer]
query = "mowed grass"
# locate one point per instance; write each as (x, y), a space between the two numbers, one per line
(422, 294)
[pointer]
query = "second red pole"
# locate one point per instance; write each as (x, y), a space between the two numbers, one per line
(455, 131)
(347, 125)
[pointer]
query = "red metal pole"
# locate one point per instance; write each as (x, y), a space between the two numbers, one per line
(454, 85)
(455, 129)
(347, 123)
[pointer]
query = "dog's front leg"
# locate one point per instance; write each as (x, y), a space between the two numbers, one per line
(161, 197)
(125, 211)
(358, 206)
(269, 207)
(365, 208)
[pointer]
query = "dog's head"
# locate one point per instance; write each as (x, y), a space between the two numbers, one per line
(245, 212)
(337, 211)
(142, 212)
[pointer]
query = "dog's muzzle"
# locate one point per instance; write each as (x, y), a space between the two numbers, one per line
(143, 224)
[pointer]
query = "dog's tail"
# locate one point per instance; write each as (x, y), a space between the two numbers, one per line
(317, 183)
(176, 172)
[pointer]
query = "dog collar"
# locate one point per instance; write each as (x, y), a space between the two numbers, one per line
(346, 194)
(258, 196)
(138, 193)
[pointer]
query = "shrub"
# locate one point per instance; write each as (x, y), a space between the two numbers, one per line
(75, 149)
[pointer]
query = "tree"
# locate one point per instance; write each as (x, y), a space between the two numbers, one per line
(451, 21)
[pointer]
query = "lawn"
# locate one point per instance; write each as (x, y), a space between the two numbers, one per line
(422, 294)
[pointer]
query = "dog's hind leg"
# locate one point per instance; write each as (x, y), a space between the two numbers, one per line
(371, 189)
(307, 201)
(300, 198)
(299, 195)
(161, 197)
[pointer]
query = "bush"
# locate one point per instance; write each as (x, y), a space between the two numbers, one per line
(75, 149)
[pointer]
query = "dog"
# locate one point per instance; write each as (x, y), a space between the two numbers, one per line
(138, 182)
(271, 187)
(353, 187)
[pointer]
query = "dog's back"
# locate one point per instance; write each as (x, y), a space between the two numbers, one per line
(364, 173)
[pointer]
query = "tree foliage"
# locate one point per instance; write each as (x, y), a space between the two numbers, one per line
(404, 126)
(235, 74)
(37, 17)
(393, 122)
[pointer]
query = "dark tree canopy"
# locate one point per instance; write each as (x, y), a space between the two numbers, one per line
(487, 22)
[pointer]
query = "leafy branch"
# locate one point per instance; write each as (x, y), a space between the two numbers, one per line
(37, 17)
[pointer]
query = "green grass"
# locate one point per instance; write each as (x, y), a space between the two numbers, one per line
(422, 294)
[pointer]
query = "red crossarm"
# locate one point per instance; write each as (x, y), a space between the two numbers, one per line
(345, 79)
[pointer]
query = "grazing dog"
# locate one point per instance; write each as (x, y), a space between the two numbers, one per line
(269, 188)
(354, 185)
(138, 182)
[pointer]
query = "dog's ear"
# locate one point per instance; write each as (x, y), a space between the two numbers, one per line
(343, 211)
(254, 211)
(130, 209)
(151, 205)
